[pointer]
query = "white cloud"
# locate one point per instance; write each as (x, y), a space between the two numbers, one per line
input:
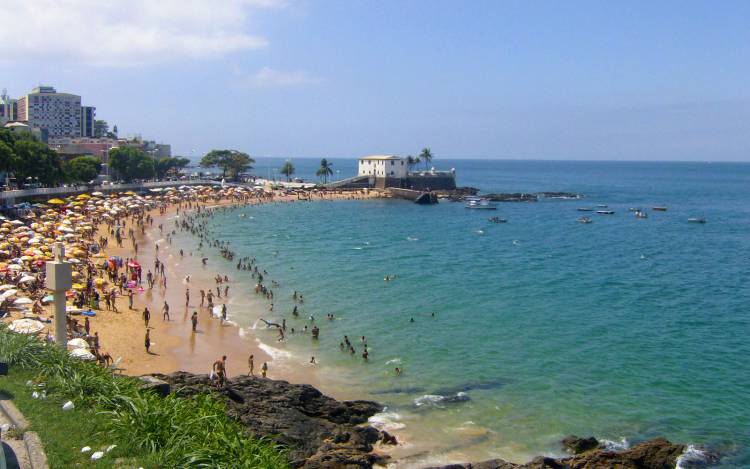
(128, 32)
(268, 77)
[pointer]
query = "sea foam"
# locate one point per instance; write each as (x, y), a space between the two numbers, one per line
(387, 421)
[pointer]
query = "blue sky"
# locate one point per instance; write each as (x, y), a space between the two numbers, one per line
(663, 80)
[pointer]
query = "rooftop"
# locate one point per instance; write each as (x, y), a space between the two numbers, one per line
(381, 157)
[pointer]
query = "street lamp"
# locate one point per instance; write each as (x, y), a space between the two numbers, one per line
(59, 280)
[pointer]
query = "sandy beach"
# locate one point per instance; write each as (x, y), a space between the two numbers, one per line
(173, 344)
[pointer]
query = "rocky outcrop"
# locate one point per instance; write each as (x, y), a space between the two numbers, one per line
(578, 445)
(652, 454)
(319, 431)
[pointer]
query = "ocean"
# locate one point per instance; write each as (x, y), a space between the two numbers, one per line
(531, 330)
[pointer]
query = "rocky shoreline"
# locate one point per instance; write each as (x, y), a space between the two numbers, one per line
(321, 432)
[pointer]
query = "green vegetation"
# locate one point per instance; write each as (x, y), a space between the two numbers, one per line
(325, 170)
(25, 156)
(425, 156)
(148, 430)
(231, 162)
(131, 163)
(83, 168)
(287, 170)
(167, 165)
(411, 162)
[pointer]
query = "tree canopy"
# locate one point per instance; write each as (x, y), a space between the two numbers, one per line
(325, 169)
(426, 156)
(287, 169)
(131, 163)
(83, 168)
(163, 166)
(232, 162)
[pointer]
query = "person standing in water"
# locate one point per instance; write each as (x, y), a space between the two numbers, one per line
(264, 369)
(194, 320)
(251, 364)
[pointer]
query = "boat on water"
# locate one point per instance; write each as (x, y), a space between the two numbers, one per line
(697, 220)
(481, 204)
(635, 209)
(585, 209)
(659, 209)
(585, 220)
(602, 205)
(497, 220)
(605, 212)
(641, 214)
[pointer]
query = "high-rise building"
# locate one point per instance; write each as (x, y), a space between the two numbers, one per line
(8, 108)
(88, 115)
(57, 114)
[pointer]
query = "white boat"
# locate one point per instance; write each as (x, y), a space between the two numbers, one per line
(584, 220)
(697, 220)
(585, 209)
(481, 204)
(641, 214)
(605, 212)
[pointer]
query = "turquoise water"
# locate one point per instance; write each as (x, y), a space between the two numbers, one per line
(622, 329)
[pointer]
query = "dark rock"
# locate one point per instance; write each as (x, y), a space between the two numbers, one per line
(578, 445)
(157, 385)
(319, 431)
(652, 454)
(388, 439)
(515, 197)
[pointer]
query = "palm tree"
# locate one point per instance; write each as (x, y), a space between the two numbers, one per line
(426, 156)
(287, 170)
(325, 170)
(411, 162)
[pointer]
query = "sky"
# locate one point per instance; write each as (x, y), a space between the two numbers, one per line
(594, 80)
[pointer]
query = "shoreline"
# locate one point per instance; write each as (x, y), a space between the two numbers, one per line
(174, 345)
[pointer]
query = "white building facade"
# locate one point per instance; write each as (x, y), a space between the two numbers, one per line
(383, 166)
(59, 114)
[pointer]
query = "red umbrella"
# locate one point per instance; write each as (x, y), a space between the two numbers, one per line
(134, 264)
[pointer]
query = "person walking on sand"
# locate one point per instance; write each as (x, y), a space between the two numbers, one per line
(146, 316)
(223, 313)
(194, 320)
(165, 312)
(251, 364)
(203, 297)
(147, 341)
(264, 369)
(187, 297)
(130, 298)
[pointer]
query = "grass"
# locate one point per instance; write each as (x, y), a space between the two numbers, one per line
(149, 430)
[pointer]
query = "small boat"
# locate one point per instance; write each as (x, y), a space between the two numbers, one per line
(497, 220)
(481, 204)
(697, 220)
(641, 214)
(605, 212)
(584, 220)
(602, 205)
(585, 209)
(635, 209)
(659, 209)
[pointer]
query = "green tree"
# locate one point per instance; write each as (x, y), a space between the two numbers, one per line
(101, 128)
(426, 156)
(231, 162)
(7, 157)
(83, 168)
(411, 162)
(287, 169)
(36, 159)
(325, 170)
(164, 166)
(131, 163)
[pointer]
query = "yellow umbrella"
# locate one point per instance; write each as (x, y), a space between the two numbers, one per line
(77, 286)
(56, 202)
(83, 197)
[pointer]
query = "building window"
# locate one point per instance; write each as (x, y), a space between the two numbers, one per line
(392, 163)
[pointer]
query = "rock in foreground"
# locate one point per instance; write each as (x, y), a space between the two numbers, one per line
(319, 431)
(652, 454)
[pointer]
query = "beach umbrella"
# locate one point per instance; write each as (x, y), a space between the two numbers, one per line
(78, 343)
(7, 294)
(14, 267)
(23, 301)
(26, 326)
(97, 194)
(83, 197)
(82, 354)
(77, 286)
(56, 202)
(48, 299)
(27, 278)
(7, 286)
